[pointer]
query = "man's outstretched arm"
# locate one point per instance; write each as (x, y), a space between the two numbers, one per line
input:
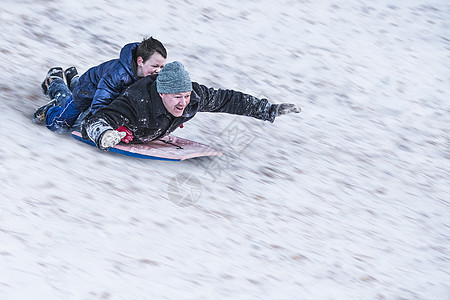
(238, 103)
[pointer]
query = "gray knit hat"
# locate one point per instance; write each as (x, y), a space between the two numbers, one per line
(173, 79)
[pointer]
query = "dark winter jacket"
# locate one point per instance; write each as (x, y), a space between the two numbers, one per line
(140, 109)
(99, 85)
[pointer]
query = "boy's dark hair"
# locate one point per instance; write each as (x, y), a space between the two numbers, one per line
(148, 47)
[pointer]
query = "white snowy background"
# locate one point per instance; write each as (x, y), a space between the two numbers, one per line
(347, 200)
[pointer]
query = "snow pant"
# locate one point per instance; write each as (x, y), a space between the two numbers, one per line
(65, 113)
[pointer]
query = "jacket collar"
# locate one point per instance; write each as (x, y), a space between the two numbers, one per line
(126, 58)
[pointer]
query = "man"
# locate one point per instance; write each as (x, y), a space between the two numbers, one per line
(155, 106)
(98, 86)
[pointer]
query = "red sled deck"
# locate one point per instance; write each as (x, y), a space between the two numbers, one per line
(168, 148)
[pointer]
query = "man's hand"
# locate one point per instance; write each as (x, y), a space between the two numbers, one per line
(129, 135)
(287, 108)
(111, 138)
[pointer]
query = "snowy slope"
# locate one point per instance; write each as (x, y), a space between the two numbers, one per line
(348, 200)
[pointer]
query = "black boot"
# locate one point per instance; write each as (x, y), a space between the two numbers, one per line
(70, 73)
(39, 114)
(55, 72)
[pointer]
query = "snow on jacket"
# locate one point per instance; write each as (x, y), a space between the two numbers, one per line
(140, 109)
(100, 85)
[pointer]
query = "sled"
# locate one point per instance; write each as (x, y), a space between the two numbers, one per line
(170, 148)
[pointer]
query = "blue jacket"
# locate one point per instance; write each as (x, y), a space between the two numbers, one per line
(100, 85)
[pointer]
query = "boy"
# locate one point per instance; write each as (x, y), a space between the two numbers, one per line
(98, 86)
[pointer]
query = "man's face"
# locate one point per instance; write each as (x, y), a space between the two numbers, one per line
(151, 66)
(176, 103)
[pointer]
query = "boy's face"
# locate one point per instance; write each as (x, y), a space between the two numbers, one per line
(151, 66)
(176, 103)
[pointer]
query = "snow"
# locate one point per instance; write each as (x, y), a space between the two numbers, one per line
(347, 200)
